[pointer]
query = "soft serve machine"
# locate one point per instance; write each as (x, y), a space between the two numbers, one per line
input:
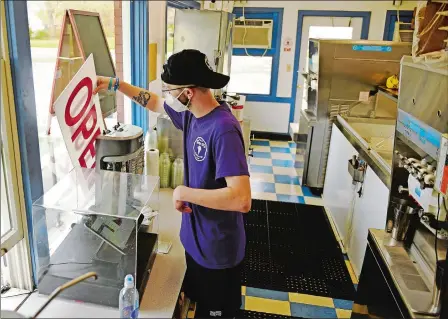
(417, 210)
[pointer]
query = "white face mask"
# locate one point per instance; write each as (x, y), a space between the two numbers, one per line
(174, 103)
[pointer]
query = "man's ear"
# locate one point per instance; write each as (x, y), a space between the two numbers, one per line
(189, 93)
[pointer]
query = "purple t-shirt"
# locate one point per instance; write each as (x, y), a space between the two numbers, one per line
(213, 150)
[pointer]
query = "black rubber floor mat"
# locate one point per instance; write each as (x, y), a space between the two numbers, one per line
(291, 247)
(262, 315)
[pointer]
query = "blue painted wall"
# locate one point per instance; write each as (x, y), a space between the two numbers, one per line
(391, 18)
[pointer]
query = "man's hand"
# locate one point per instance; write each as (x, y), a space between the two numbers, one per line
(179, 204)
(102, 83)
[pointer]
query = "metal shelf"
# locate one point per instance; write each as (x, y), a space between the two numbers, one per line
(391, 94)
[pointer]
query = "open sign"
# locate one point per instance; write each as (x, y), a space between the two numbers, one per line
(79, 116)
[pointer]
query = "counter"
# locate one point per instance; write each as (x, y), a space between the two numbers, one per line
(163, 288)
(407, 273)
(379, 164)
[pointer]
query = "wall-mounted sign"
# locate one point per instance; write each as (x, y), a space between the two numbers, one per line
(287, 44)
(79, 116)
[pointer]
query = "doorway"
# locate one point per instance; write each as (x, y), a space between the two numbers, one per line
(321, 24)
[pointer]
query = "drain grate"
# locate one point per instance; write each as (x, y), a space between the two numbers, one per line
(294, 251)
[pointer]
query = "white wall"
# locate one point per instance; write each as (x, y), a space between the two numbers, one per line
(289, 30)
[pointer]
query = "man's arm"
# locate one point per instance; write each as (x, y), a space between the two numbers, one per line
(235, 197)
(141, 96)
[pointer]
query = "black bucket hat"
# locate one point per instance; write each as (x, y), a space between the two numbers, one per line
(191, 67)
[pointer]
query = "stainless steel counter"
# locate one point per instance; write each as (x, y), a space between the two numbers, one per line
(408, 271)
(379, 165)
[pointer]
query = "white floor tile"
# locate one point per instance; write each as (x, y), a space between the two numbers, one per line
(314, 201)
(279, 144)
(298, 157)
(262, 177)
(258, 148)
(261, 161)
(284, 171)
(286, 189)
(264, 196)
(282, 156)
(260, 139)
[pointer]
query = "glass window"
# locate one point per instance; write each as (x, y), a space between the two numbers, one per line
(6, 218)
(250, 74)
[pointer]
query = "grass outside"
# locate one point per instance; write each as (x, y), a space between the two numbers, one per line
(53, 43)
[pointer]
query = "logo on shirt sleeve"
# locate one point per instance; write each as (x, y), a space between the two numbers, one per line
(199, 149)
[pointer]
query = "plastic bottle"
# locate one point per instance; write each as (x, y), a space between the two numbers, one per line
(165, 168)
(178, 173)
(129, 299)
(153, 139)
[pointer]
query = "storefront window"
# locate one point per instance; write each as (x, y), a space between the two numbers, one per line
(45, 22)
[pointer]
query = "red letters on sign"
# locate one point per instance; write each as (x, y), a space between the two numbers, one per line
(83, 126)
(89, 148)
(86, 82)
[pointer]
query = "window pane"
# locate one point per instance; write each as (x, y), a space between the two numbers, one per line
(6, 218)
(250, 75)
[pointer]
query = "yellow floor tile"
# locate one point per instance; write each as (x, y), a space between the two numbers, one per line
(314, 201)
(262, 177)
(311, 300)
(343, 314)
(286, 189)
(282, 156)
(267, 305)
(284, 171)
(351, 272)
(279, 144)
(264, 196)
(243, 290)
(299, 158)
(260, 161)
(259, 148)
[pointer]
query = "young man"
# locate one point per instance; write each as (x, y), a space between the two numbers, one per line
(217, 189)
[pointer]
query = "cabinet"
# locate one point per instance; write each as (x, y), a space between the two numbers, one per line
(339, 191)
(370, 211)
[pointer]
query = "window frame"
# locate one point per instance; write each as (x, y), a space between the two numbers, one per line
(276, 15)
(10, 150)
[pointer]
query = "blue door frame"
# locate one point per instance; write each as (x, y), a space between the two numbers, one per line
(391, 18)
(139, 57)
(365, 15)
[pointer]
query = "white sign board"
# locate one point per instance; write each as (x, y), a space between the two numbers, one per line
(79, 116)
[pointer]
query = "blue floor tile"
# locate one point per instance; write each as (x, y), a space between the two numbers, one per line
(260, 143)
(343, 304)
(306, 192)
(345, 257)
(292, 144)
(280, 149)
(261, 154)
(261, 169)
(299, 164)
(262, 187)
(291, 199)
(356, 286)
(267, 294)
(243, 302)
(310, 311)
(286, 179)
(282, 163)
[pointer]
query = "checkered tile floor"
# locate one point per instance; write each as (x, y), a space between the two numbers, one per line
(277, 175)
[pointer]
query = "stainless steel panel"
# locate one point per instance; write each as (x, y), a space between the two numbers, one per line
(424, 94)
(194, 29)
(342, 74)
